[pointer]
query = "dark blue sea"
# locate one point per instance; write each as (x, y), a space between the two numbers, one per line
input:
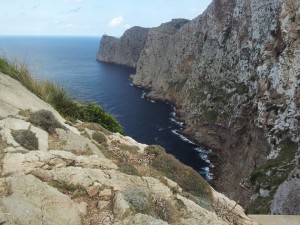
(71, 62)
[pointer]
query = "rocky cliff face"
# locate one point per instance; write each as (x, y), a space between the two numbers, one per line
(125, 50)
(233, 73)
(84, 174)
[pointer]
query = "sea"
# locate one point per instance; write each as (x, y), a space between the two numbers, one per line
(71, 62)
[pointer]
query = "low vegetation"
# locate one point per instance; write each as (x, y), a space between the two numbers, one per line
(26, 138)
(143, 202)
(270, 175)
(46, 120)
(184, 176)
(59, 98)
(99, 137)
(74, 191)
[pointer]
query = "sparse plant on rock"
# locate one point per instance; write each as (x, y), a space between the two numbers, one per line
(99, 137)
(186, 177)
(139, 200)
(26, 138)
(128, 169)
(46, 120)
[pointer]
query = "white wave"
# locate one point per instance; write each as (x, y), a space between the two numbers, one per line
(182, 137)
(143, 95)
(152, 101)
(131, 84)
(173, 114)
(177, 122)
(203, 153)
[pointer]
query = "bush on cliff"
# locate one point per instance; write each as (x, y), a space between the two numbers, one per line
(184, 176)
(46, 120)
(59, 98)
(26, 138)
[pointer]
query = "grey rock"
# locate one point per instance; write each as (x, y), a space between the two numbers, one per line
(34, 202)
(287, 198)
(125, 50)
(102, 204)
(120, 205)
(142, 219)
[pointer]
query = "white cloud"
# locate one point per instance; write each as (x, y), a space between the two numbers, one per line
(115, 21)
(127, 26)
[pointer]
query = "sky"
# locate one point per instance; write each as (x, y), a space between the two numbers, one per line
(91, 17)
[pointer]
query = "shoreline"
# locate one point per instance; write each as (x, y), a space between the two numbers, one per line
(183, 134)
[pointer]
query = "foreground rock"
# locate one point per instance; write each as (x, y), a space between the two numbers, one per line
(66, 177)
(233, 73)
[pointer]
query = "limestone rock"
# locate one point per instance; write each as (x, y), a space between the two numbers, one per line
(34, 202)
(92, 191)
(26, 163)
(142, 219)
(126, 50)
(77, 143)
(120, 205)
(102, 204)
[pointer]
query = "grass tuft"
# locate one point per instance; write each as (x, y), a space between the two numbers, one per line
(26, 138)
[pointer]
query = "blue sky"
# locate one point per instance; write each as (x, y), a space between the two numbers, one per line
(91, 17)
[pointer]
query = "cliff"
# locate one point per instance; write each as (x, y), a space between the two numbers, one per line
(233, 74)
(56, 172)
(126, 50)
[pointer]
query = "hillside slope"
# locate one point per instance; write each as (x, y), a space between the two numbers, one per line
(233, 74)
(55, 173)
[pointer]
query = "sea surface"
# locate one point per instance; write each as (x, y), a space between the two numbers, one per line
(71, 62)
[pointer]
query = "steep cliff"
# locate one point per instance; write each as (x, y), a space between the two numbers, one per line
(233, 73)
(124, 50)
(83, 174)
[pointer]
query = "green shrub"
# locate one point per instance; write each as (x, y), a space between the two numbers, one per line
(99, 137)
(26, 138)
(139, 199)
(46, 120)
(129, 148)
(97, 127)
(94, 113)
(143, 202)
(155, 150)
(184, 176)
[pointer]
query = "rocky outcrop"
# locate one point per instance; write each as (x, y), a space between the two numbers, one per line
(124, 50)
(84, 174)
(287, 197)
(233, 73)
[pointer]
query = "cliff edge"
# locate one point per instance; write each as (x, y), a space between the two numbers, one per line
(55, 172)
(233, 74)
